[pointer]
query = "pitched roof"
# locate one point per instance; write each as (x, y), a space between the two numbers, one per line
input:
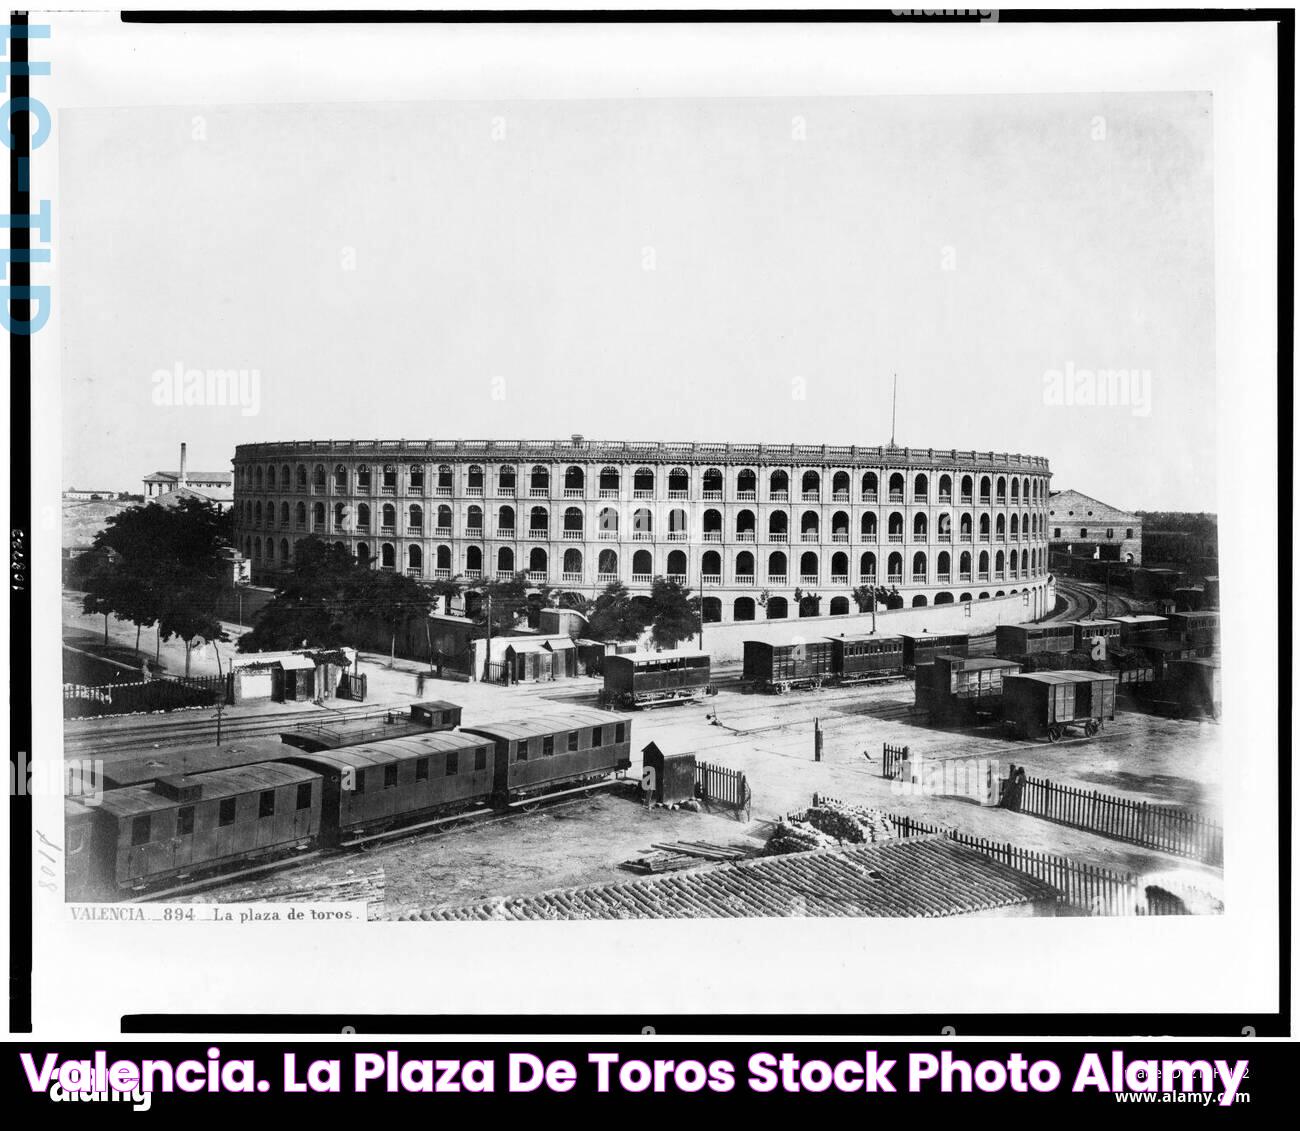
(1056, 495)
(191, 476)
(914, 877)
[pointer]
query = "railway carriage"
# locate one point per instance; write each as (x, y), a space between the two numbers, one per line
(1088, 632)
(651, 679)
(923, 648)
(182, 824)
(534, 753)
(1046, 704)
(786, 667)
(866, 657)
(377, 785)
(135, 768)
(1016, 641)
(1141, 628)
(1192, 687)
(1199, 629)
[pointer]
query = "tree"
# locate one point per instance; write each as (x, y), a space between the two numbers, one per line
(675, 614)
(393, 599)
(503, 601)
(316, 603)
(614, 616)
(167, 565)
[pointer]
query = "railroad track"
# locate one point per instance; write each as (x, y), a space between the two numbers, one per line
(191, 727)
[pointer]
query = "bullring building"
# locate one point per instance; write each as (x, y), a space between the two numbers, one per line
(761, 531)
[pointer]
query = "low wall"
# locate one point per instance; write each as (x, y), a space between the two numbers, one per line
(725, 642)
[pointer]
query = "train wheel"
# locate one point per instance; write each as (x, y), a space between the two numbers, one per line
(1091, 727)
(1054, 733)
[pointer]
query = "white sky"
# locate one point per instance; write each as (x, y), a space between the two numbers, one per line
(523, 258)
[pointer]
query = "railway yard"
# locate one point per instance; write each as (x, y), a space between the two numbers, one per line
(585, 834)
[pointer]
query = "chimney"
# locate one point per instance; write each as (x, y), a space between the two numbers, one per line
(181, 483)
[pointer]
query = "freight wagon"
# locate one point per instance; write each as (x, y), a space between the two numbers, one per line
(864, 657)
(652, 679)
(1140, 628)
(785, 667)
(1192, 688)
(1015, 641)
(922, 649)
(964, 689)
(1046, 704)
(1088, 632)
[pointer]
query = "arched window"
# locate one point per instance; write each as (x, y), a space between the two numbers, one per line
(474, 479)
(474, 560)
(363, 516)
(919, 527)
(387, 556)
(1015, 525)
(745, 525)
(642, 524)
(746, 485)
(284, 549)
(710, 610)
(894, 568)
(867, 569)
(712, 484)
(679, 483)
(284, 515)
(415, 559)
(986, 486)
(537, 562)
(1001, 527)
(677, 564)
(474, 521)
(607, 522)
(984, 565)
(505, 560)
(984, 528)
(712, 525)
(896, 487)
(918, 601)
(964, 567)
(1000, 490)
(811, 485)
(318, 516)
(743, 609)
(415, 518)
(608, 483)
(945, 493)
(777, 608)
(340, 513)
(340, 478)
(919, 573)
(869, 530)
(778, 524)
(744, 568)
(506, 479)
(967, 489)
(642, 565)
(575, 480)
(539, 522)
(999, 563)
(388, 517)
(944, 567)
(809, 526)
(363, 553)
(643, 483)
(921, 489)
(539, 481)
(895, 526)
(444, 479)
(607, 564)
(778, 485)
(870, 487)
(572, 522)
(572, 565)
(677, 523)
(270, 549)
(809, 567)
(363, 478)
(711, 564)
(302, 477)
(776, 567)
(318, 477)
(505, 522)
(839, 606)
(840, 568)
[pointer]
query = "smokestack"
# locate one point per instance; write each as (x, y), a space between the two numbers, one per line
(182, 479)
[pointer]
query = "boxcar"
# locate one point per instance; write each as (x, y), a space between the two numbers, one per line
(922, 649)
(1193, 687)
(1017, 640)
(189, 823)
(866, 657)
(539, 752)
(421, 718)
(1044, 704)
(965, 688)
(379, 784)
(1199, 630)
(81, 875)
(783, 667)
(650, 679)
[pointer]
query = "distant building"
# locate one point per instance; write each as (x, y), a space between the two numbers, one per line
(1082, 526)
(82, 494)
(213, 486)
